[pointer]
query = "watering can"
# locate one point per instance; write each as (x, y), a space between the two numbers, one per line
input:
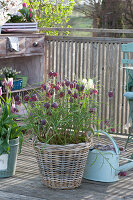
(104, 165)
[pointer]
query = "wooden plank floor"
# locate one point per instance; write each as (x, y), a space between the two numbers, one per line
(26, 184)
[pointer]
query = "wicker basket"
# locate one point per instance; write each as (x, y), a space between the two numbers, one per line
(61, 166)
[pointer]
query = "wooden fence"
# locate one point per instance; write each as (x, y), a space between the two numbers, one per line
(97, 58)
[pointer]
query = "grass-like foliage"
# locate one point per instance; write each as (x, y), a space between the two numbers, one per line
(63, 112)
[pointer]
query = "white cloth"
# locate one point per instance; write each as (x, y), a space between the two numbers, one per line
(13, 43)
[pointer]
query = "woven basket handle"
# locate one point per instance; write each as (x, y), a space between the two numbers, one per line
(111, 139)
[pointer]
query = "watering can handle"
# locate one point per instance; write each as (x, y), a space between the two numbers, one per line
(112, 140)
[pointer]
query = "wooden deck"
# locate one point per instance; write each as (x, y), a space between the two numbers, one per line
(26, 184)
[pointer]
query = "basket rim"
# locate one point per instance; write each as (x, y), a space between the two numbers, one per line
(44, 146)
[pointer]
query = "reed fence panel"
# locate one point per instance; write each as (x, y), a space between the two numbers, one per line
(97, 58)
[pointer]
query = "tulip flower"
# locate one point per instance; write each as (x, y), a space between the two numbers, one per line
(30, 15)
(30, 9)
(24, 5)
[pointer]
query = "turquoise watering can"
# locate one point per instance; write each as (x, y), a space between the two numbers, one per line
(104, 165)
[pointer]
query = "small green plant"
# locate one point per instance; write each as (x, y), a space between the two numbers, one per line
(9, 72)
(9, 128)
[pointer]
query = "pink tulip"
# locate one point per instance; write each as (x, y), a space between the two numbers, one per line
(95, 91)
(30, 10)
(24, 5)
(8, 82)
(30, 15)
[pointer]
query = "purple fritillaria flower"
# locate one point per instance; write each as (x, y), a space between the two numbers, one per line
(71, 85)
(67, 83)
(110, 94)
(51, 92)
(50, 74)
(74, 83)
(112, 130)
(81, 97)
(82, 88)
(34, 97)
(16, 97)
(71, 100)
(55, 74)
(57, 87)
(26, 98)
(54, 105)
(77, 86)
(92, 110)
(44, 87)
(91, 92)
(63, 84)
(47, 105)
(75, 95)
(43, 121)
(69, 92)
(61, 94)
(122, 173)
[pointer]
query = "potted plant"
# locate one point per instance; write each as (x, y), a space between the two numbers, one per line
(23, 20)
(11, 135)
(8, 7)
(9, 72)
(60, 117)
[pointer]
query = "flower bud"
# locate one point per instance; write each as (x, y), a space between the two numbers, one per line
(67, 83)
(82, 87)
(50, 74)
(43, 121)
(16, 97)
(62, 94)
(75, 95)
(110, 94)
(34, 97)
(55, 74)
(77, 86)
(112, 130)
(54, 105)
(71, 85)
(26, 98)
(47, 105)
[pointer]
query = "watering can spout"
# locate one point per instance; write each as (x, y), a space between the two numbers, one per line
(124, 167)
